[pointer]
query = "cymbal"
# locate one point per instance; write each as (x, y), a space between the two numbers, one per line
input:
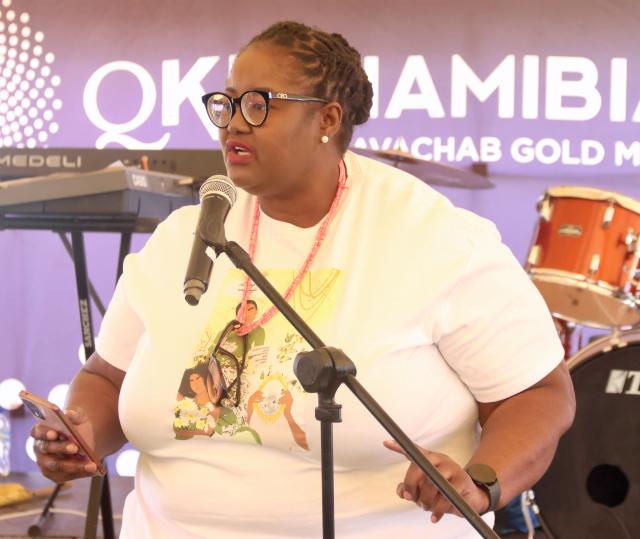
(431, 172)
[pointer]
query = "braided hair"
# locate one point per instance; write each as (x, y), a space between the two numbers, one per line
(332, 66)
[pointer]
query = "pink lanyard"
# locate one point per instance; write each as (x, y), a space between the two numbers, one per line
(253, 244)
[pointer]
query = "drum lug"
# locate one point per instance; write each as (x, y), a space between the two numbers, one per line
(534, 255)
(608, 215)
(631, 241)
(595, 264)
(545, 208)
(615, 341)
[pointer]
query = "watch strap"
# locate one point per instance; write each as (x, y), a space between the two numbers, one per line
(486, 479)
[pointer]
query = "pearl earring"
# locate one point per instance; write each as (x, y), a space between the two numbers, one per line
(324, 139)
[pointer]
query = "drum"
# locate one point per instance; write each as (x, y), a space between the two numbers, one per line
(592, 488)
(584, 256)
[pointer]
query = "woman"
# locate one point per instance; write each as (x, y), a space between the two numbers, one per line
(445, 328)
(196, 409)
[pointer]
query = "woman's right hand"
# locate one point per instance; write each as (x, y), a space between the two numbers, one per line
(59, 458)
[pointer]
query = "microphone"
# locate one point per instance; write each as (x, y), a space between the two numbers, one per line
(217, 195)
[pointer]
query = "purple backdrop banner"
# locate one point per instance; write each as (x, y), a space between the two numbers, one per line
(545, 92)
(521, 85)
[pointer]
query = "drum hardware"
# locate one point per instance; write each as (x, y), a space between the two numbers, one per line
(534, 255)
(631, 241)
(613, 342)
(608, 214)
(594, 266)
(635, 283)
(527, 501)
(545, 209)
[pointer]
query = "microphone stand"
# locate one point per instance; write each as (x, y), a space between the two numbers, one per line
(321, 371)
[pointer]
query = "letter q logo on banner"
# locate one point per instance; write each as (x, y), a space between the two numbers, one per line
(116, 132)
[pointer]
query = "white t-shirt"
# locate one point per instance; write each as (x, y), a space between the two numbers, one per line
(432, 308)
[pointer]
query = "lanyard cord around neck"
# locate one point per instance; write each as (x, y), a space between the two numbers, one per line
(253, 244)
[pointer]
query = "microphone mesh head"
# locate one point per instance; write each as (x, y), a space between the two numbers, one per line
(218, 185)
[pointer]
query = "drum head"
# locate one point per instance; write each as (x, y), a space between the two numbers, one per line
(592, 488)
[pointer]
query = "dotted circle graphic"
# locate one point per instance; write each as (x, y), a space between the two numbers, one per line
(28, 102)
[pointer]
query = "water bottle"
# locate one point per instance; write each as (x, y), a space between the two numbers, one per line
(5, 444)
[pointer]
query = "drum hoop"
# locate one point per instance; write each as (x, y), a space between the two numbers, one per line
(592, 193)
(602, 345)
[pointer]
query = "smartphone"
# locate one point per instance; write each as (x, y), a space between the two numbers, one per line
(53, 417)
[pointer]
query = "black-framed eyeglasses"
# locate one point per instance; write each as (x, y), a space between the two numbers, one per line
(225, 369)
(254, 105)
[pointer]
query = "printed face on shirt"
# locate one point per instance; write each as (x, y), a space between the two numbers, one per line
(279, 156)
(196, 382)
(251, 313)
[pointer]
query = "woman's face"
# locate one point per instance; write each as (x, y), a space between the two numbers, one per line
(279, 156)
(196, 382)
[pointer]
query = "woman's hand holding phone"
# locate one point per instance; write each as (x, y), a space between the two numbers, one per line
(59, 457)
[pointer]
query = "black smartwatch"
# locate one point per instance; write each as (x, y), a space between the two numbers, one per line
(485, 478)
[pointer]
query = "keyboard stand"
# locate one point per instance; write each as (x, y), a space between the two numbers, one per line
(99, 497)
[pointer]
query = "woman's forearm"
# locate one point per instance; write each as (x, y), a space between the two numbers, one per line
(98, 397)
(520, 434)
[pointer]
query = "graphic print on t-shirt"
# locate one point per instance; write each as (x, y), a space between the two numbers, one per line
(244, 386)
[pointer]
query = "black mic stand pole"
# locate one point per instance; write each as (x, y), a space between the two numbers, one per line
(321, 371)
